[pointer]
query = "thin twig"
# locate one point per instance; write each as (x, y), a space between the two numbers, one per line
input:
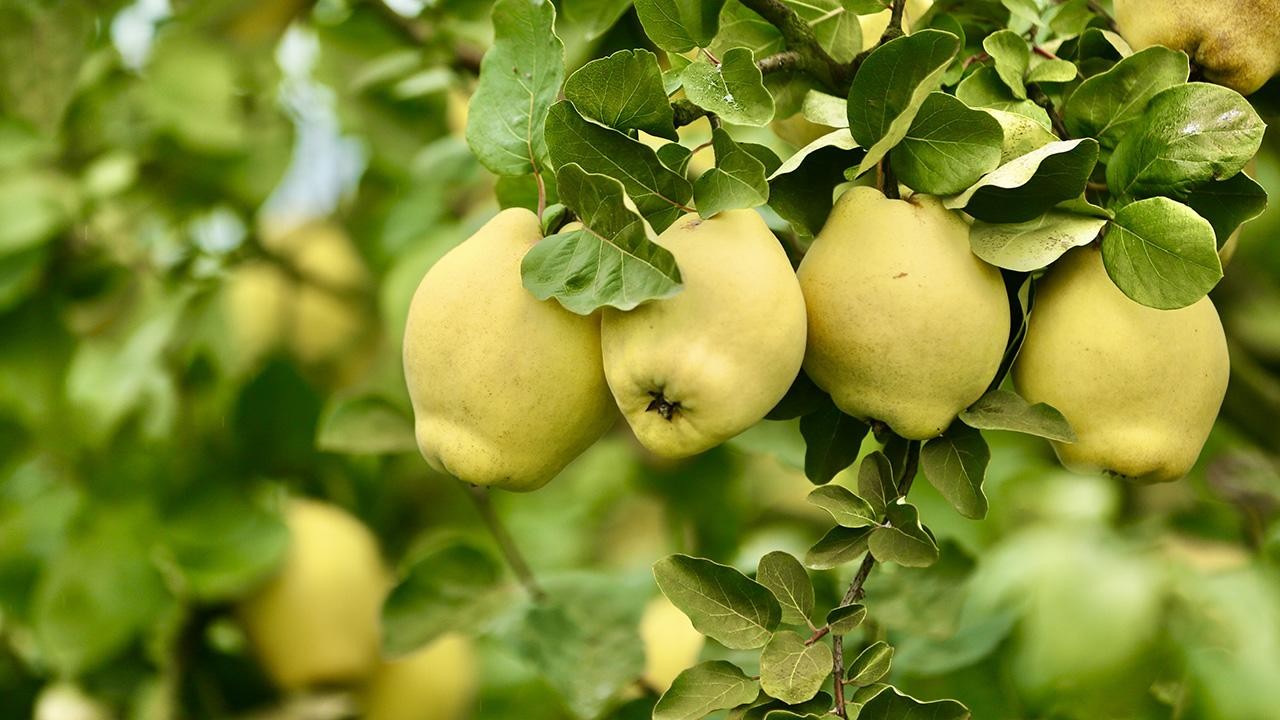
(1036, 95)
(1100, 11)
(818, 634)
(856, 589)
(484, 505)
(891, 32)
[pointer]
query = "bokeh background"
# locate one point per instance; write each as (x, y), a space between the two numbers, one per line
(212, 217)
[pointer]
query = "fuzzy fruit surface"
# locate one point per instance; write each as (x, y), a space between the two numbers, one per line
(436, 682)
(316, 621)
(506, 389)
(1140, 386)
(1234, 42)
(693, 370)
(906, 325)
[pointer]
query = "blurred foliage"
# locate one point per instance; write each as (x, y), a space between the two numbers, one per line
(212, 217)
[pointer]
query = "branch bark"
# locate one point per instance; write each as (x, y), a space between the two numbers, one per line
(800, 39)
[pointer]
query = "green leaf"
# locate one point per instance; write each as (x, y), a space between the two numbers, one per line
(704, 689)
(847, 509)
(767, 707)
(449, 586)
(846, 618)
(838, 31)
(679, 25)
(948, 147)
(34, 207)
(1005, 410)
(1026, 10)
(974, 640)
(1012, 57)
(1189, 134)
(984, 89)
(1059, 71)
(737, 181)
(1227, 204)
(722, 603)
(840, 546)
(1161, 253)
(792, 194)
(956, 465)
(740, 27)
(99, 593)
(1107, 105)
(608, 261)
(792, 671)
(890, 86)
(838, 138)
(1033, 244)
(365, 425)
(893, 705)
(20, 274)
(1021, 134)
(832, 440)
(623, 91)
(787, 580)
(733, 90)
(904, 541)
(222, 542)
(876, 483)
(823, 109)
(802, 398)
(1070, 18)
(871, 665)
(520, 76)
(676, 157)
(582, 638)
(671, 77)
(659, 193)
(43, 46)
(595, 16)
(113, 375)
(1027, 186)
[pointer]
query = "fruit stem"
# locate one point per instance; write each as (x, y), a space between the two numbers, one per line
(484, 506)
(855, 591)
(888, 180)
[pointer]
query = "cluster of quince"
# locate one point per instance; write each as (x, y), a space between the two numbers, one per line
(889, 312)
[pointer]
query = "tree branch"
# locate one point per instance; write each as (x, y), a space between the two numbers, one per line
(895, 22)
(686, 113)
(891, 32)
(855, 591)
(800, 39)
(484, 506)
(1036, 95)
